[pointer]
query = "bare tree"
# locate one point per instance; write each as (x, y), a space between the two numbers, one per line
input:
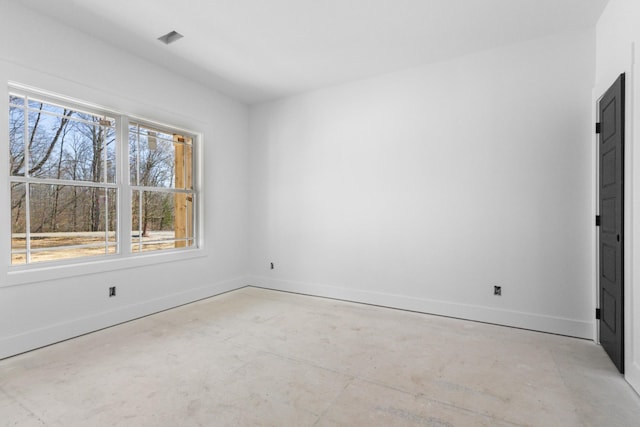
(51, 145)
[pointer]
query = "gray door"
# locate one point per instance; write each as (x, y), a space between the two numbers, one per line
(611, 186)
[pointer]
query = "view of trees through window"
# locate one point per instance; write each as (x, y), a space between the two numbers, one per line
(65, 191)
(160, 166)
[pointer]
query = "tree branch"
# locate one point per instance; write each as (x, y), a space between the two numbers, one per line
(63, 124)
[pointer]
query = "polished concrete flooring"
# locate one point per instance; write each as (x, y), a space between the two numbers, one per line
(254, 357)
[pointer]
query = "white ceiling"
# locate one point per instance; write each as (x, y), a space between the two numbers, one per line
(256, 50)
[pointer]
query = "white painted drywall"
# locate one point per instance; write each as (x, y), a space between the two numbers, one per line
(617, 51)
(423, 188)
(47, 306)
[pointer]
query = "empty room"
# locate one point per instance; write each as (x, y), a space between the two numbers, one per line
(320, 213)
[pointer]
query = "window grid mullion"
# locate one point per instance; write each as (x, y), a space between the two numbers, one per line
(61, 182)
(65, 247)
(161, 189)
(71, 119)
(27, 192)
(123, 180)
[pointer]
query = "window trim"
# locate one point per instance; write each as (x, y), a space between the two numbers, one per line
(125, 258)
(57, 270)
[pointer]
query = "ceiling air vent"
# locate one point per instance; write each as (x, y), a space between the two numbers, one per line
(170, 37)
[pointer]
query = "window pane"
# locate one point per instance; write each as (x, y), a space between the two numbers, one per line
(157, 158)
(16, 141)
(70, 253)
(16, 100)
(18, 258)
(71, 216)
(35, 104)
(136, 227)
(157, 246)
(183, 204)
(111, 209)
(44, 134)
(156, 168)
(188, 159)
(161, 220)
(189, 219)
(66, 208)
(71, 147)
(133, 157)
(110, 144)
(18, 224)
(156, 216)
(145, 131)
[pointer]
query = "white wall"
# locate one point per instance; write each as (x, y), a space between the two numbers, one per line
(45, 306)
(617, 51)
(421, 189)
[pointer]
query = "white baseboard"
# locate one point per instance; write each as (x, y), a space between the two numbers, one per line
(16, 344)
(536, 322)
(632, 375)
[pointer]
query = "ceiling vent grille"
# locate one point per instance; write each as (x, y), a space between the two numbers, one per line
(170, 37)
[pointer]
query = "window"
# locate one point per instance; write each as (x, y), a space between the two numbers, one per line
(161, 178)
(63, 189)
(66, 191)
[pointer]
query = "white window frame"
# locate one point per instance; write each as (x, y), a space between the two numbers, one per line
(124, 257)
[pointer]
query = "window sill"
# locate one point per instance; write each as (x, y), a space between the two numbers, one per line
(50, 272)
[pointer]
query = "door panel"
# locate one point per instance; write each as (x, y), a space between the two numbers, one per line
(611, 190)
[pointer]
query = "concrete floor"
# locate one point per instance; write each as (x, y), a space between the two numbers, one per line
(262, 358)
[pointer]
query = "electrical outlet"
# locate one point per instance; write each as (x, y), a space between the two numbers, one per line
(112, 291)
(272, 266)
(497, 290)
